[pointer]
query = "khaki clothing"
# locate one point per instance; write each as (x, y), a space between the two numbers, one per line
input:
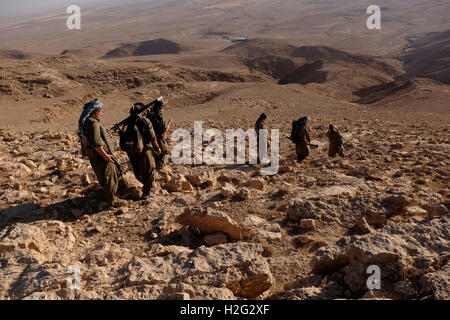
(160, 126)
(302, 151)
(164, 158)
(301, 147)
(107, 173)
(335, 140)
(143, 162)
(97, 136)
(303, 134)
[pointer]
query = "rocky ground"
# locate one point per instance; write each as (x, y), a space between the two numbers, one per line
(225, 231)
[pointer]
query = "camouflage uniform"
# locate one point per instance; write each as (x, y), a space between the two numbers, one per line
(301, 147)
(335, 139)
(107, 173)
(143, 161)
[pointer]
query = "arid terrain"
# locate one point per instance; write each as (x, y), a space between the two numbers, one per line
(225, 231)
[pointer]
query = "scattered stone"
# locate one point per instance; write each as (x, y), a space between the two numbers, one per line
(178, 183)
(284, 169)
(228, 190)
(330, 258)
(244, 194)
(373, 174)
(257, 184)
(436, 211)
(437, 283)
(416, 211)
(309, 224)
(364, 227)
(85, 179)
(202, 177)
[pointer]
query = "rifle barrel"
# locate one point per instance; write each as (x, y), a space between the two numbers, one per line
(143, 108)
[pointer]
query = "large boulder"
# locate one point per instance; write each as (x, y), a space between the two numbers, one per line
(401, 252)
(210, 221)
(329, 259)
(22, 236)
(303, 209)
(238, 267)
(437, 283)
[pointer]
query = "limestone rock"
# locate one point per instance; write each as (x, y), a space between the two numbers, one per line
(178, 183)
(437, 283)
(416, 211)
(215, 238)
(364, 226)
(23, 236)
(39, 278)
(332, 291)
(436, 211)
(238, 267)
(257, 184)
(85, 179)
(210, 221)
(309, 224)
(409, 251)
(202, 177)
(302, 209)
(228, 190)
(373, 174)
(330, 258)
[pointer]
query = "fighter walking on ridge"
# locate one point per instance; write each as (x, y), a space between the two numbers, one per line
(138, 140)
(335, 140)
(97, 146)
(160, 127)
(260, 125)
(300, 136)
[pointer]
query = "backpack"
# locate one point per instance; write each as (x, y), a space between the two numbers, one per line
(294, 131)
(130, 137)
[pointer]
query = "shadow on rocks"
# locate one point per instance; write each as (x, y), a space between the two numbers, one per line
(66, 211)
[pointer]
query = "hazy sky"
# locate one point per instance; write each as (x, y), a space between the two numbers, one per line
(16, 8)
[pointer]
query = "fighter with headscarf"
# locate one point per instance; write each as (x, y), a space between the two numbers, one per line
(98, 147)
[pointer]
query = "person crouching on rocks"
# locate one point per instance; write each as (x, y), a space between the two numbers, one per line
(97, 146)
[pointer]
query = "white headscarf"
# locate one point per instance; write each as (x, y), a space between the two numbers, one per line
(89, 108)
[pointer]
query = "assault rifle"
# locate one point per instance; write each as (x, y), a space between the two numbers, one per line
(119, 167)
(139, 110)
(314, 146)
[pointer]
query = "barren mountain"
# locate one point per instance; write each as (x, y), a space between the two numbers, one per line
(145, 48)
(17, 54)
(226, 231)
(429, 56)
